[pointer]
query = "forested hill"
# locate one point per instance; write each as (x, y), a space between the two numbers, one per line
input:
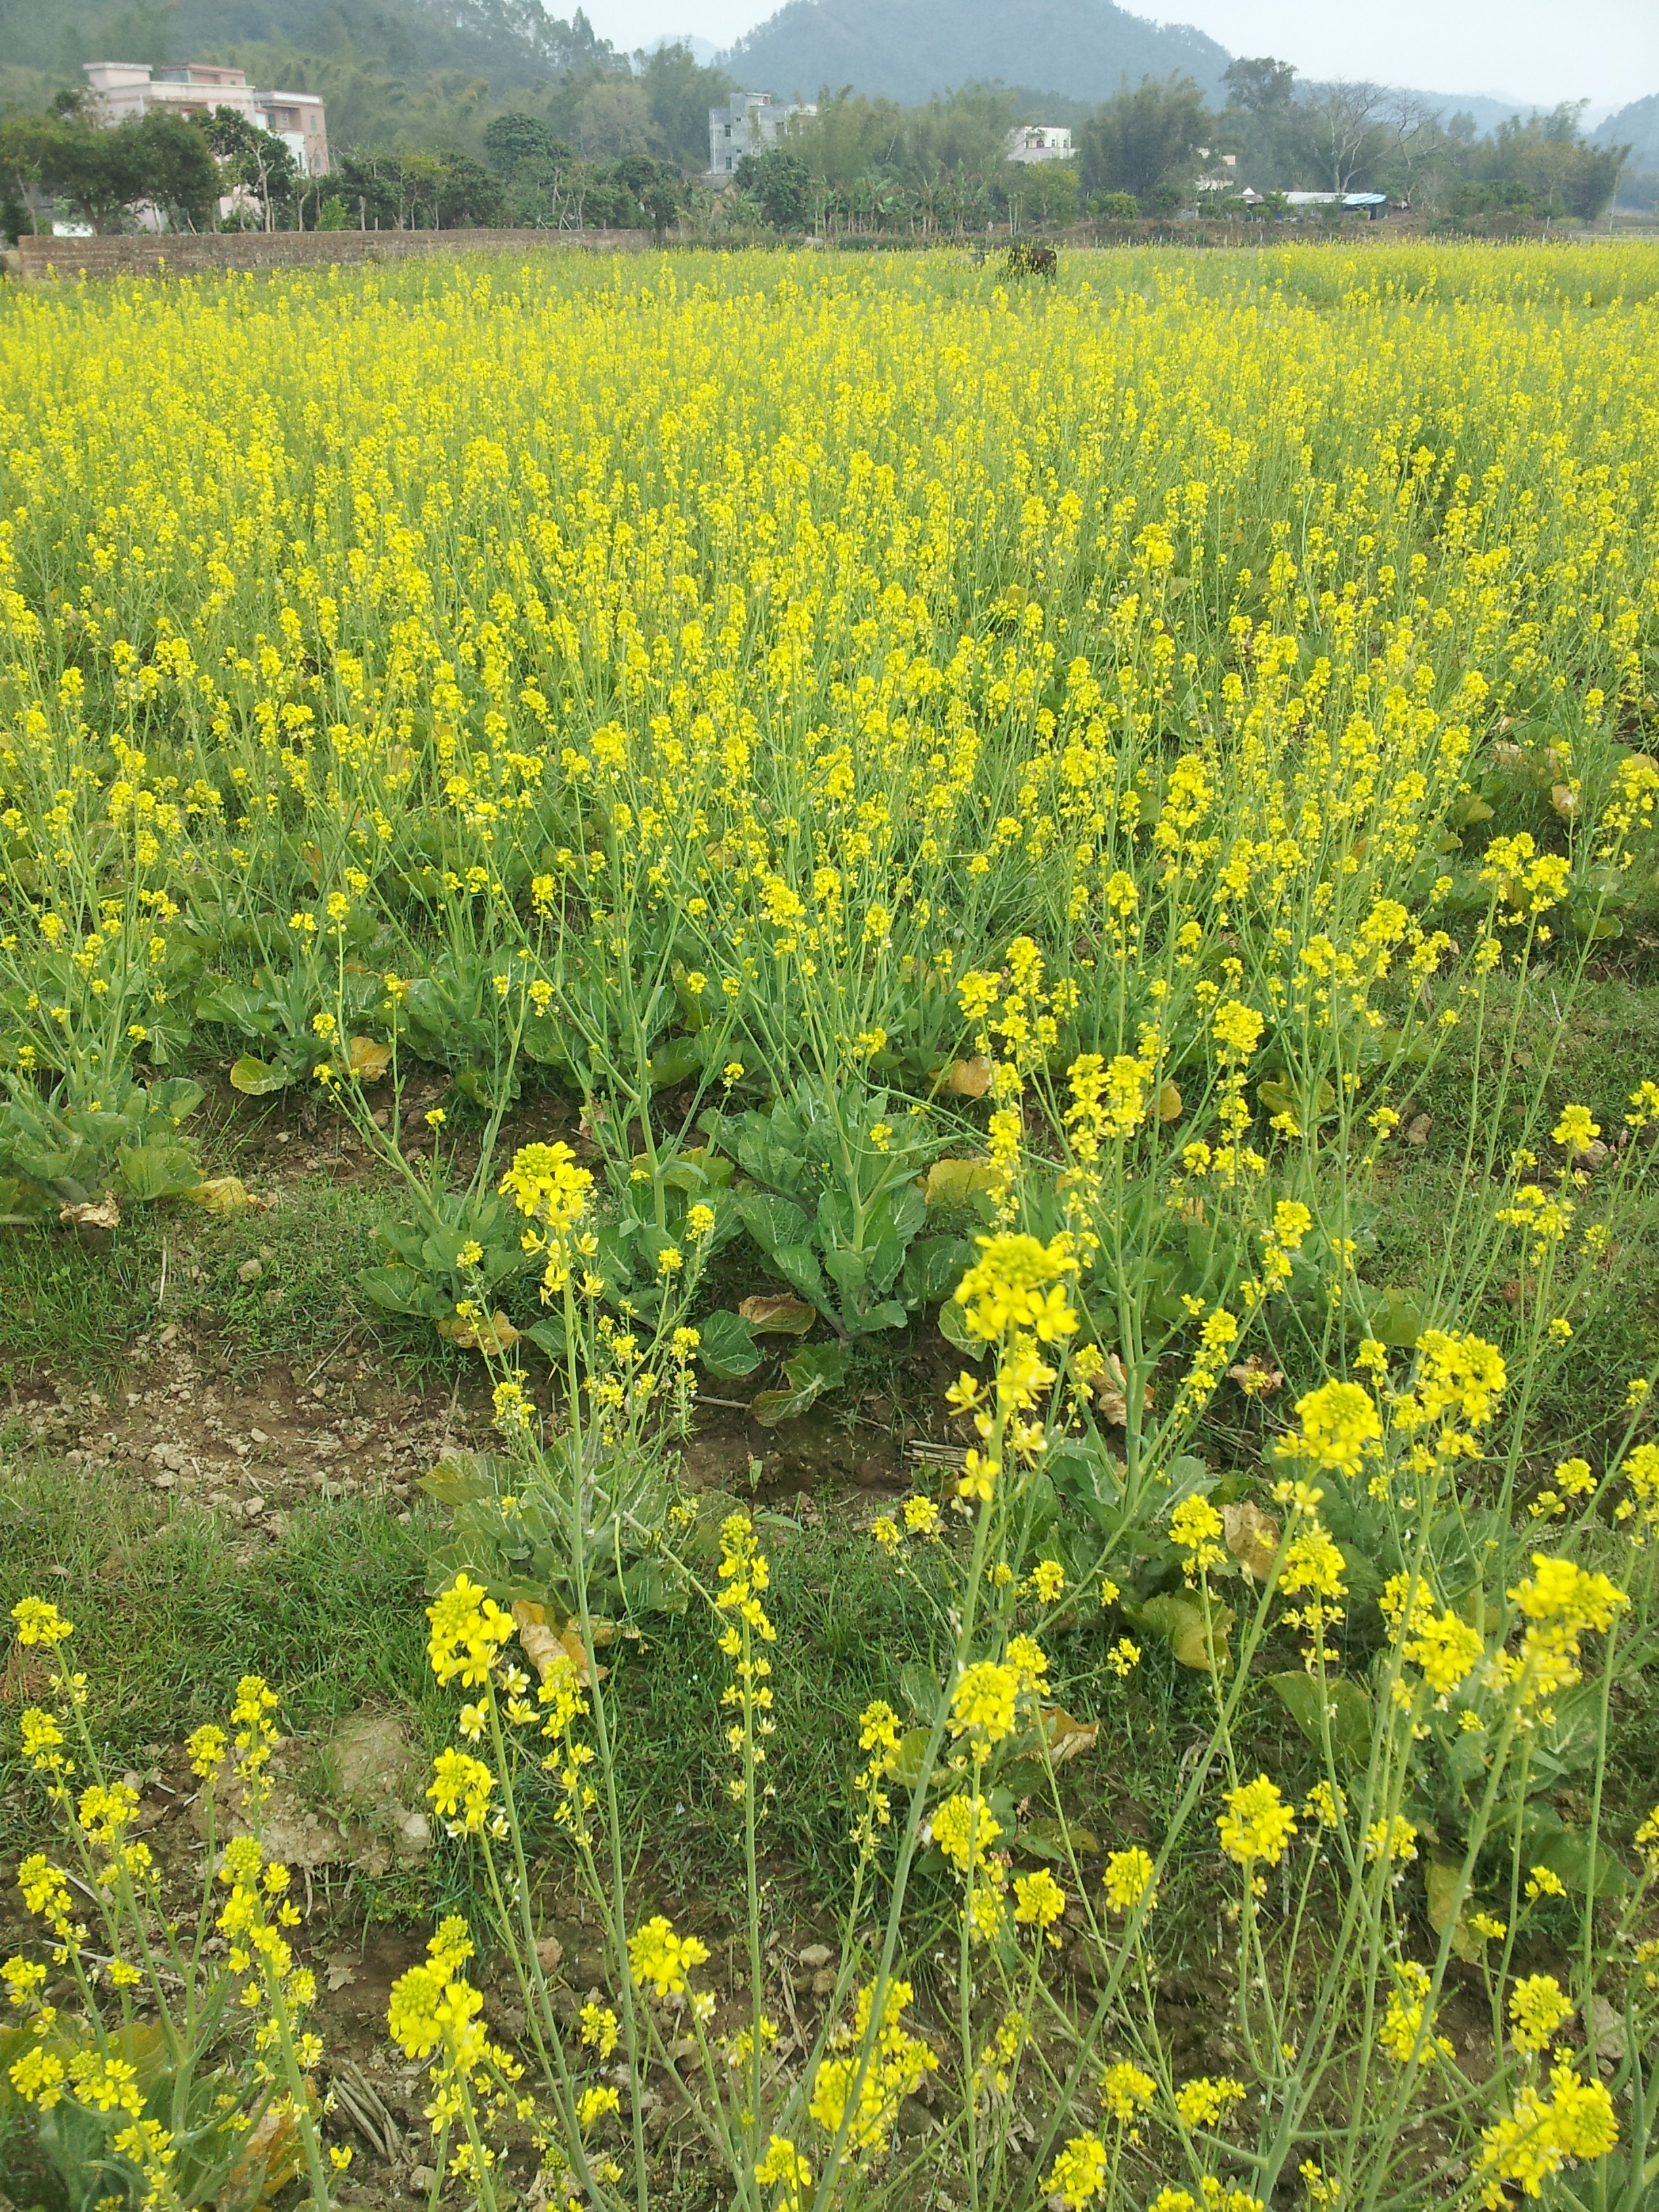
(506, 43)
(908, 49)
(1638, 127)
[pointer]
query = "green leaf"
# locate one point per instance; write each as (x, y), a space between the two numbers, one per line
(652, 1586)
(1393, 1316)
(1348, 1708)
(953, 1328)
(475, 1084)
(175, 1100)
(726, 1345)
(459, 1478)
(1179, 1621)
(255, 1078)
(1440, 1881)
(933, 1268)
(549, 1336)
(798, 1265)
(1049, 1838)
(821, 1366)
(912, 1748)
(815, 1369)
(770, 1407)
(1566, 1851)
(401, 1290)
(236, 1006)
(157, 1170)
(919, 1689)
(953, 1182)
(671, 1066)
(889, 1314)
(772, 1221)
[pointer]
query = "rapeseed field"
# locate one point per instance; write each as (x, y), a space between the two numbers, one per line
(1066, 830)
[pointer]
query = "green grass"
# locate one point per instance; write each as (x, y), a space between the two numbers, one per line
(72, 1305)
(169, 1613)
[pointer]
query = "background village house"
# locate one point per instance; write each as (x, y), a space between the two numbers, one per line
(751, 123)
(124, 89)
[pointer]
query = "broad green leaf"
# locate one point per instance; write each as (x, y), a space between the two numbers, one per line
(1567, 1853)
(401, 1290)
(1180, 1622)
(822, 1366)
(726, 1345)
(912, 1749)
(1049, 1838)
(459, 1478)
(157, 1170)
(773, 1222)
(952, 1182)
(255, 1078)
(1342, 1702)
(771, 1407)
(953, 1328)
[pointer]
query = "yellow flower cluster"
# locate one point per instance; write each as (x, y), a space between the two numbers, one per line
(857, 2097)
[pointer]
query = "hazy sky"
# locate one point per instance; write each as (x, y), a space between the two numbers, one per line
(1541, 51)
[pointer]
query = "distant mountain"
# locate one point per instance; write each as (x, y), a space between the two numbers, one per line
(1638, 127)
(1487, 111)
(703, 51)
(908, 49)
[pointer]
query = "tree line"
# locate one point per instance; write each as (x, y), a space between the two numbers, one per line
(1154, 148)
(617, 144)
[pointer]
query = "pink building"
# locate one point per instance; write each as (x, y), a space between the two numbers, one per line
(121, 89)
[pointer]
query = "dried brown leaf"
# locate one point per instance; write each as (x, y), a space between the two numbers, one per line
(1251, 1537)
(1110, 1387)
(106, 1214)
(1256, 1377)
(543, 1646)
(1068, 1737)
(369, 1058)
(777, 1314)
(496, 1333)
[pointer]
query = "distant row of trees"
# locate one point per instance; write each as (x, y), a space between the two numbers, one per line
(1351, 136)
(633, 153)
(863, 164)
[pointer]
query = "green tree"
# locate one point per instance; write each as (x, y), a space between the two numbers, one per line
(257, 160)
(97, 173)
(514, 138)
(1141, 139)
(1547, 158)
(680, 93)
(656, 186)
(178, 174)
(780, 184)
(1048, 193)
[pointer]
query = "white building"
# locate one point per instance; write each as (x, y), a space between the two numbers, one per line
(753, 122)
(1039, 142)
(121, 89)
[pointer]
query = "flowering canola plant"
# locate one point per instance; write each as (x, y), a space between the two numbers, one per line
(990, 805)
